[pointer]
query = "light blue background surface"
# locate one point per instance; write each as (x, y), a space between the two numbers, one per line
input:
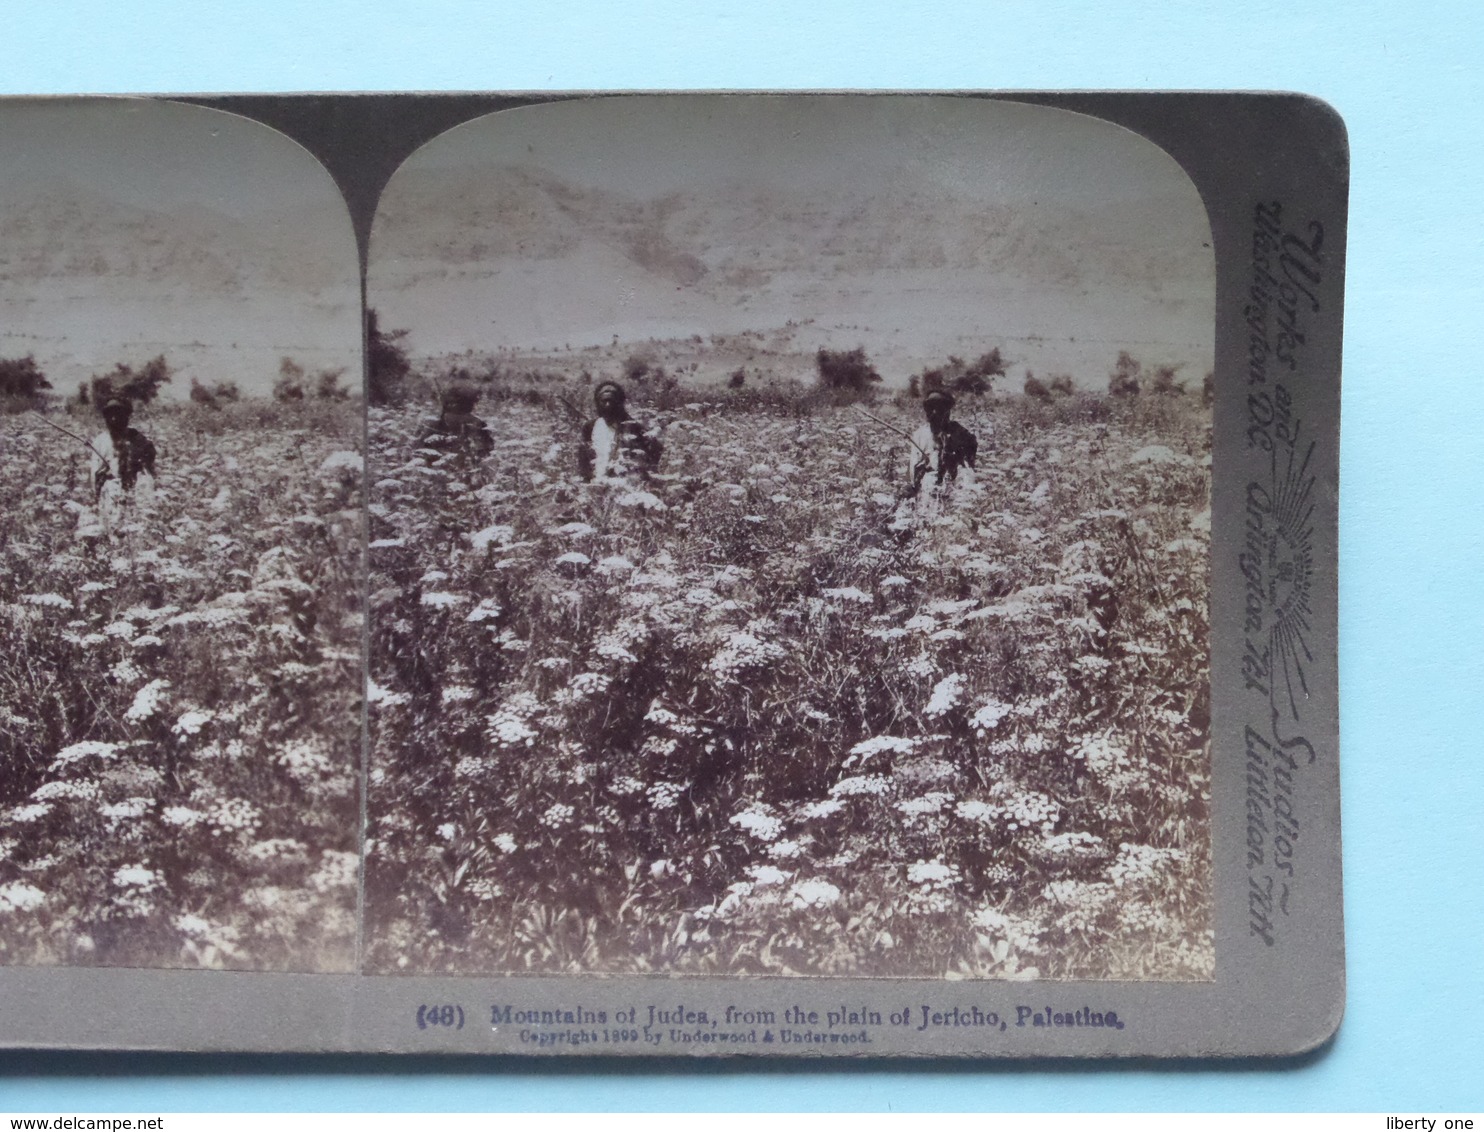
(1407, 79)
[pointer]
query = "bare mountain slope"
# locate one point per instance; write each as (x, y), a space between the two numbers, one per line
(511, 255)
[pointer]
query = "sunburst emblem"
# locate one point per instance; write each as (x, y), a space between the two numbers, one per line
(1290, 568)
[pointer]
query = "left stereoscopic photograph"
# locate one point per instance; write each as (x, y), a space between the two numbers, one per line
(180, 539)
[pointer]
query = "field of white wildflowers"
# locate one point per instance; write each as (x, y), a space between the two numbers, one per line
(754, 718)
(180, 698)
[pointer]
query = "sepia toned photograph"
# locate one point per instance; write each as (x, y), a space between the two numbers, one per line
(180, 543)
(671, 574)
(789, 528)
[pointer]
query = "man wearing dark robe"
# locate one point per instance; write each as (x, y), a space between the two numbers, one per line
(940, 448)
(457, 430)
(615, 447)
(121, 454)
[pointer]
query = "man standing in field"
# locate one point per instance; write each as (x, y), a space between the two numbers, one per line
(123, 461)
(940, 447)
(457, 430)
(614, 446)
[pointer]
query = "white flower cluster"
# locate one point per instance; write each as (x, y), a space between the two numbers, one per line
(442, 600)
(821, 809)
(758, 822)
(946, 695)
(23, 814)
(661, 715)
(1141, 917)
(146, 701)
(282, 849)
(1029, 808)
(730, 903)
(508, 727)
(868, 747)
(614, 564)
(1103, 756)
(509, 640)
(125, 671)
(920, 666)
(304, 759)
(1015, 808)
(377, 696)
(988, 716)
(999, 873)
(765, 875)
(849, 593)
(1082, 902)
(741, 652)
(813, 893)
(1157, 454)
(861, 784)
(625, 785)
(611, 646)
(337, 870)
(933, 875)
(234, 815)
(925, 770)
(664, 795)
(504, 843)
(647, 500)
(499, 534)
(344, 460)
(222, 938)
(506, 730)
(487, 610)
(214, 618)
(1140, 862)
(581, 687)
(135, 876)
(557, 815)
(17, 896)
(182, 816)
(1023, 935)
(1075, 844)
(930, 803)
(58, 791)
(127, 810)
(79, 751)
(191, 722)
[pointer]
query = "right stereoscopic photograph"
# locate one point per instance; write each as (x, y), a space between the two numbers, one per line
(789, 545)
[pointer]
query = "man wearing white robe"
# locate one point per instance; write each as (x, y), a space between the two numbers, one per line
(122, 466)
(941, 448)
(615, 447)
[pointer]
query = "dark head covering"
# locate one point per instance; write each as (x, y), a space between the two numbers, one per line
(938, 398)
(460, 397)
(613, 385)
(118, 407)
